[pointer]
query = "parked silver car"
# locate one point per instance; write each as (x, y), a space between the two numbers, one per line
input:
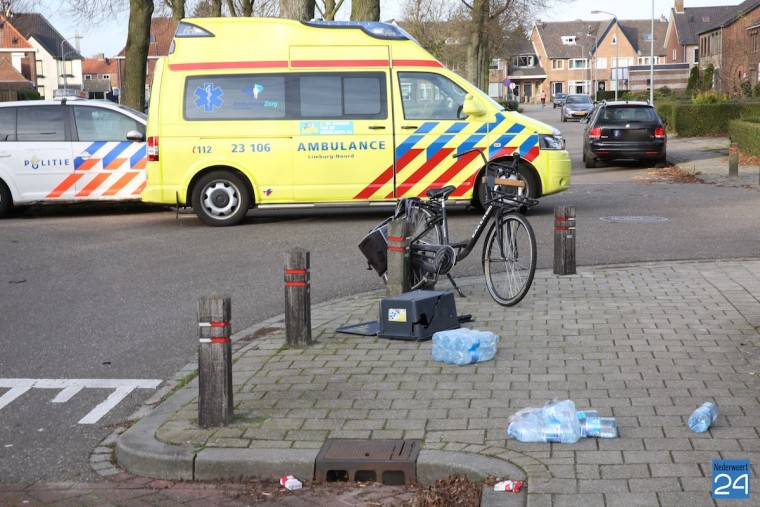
(576, 106)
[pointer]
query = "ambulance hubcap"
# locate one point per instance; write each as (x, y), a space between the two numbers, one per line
(220, 198)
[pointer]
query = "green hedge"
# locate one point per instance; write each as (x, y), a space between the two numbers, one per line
(747, 135)
(704, 119)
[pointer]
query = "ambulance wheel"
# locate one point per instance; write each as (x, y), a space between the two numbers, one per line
(220, 198)
(6, 201)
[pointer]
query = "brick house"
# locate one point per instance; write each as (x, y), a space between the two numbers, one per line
(18, 55)
(525, 73)
(684, 26)
(732, 46)
(53, 58)
(584, 56)
(100, 77)
(161, 35)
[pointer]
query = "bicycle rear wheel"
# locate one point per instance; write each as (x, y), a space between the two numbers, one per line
(509, 259)
(424, 230)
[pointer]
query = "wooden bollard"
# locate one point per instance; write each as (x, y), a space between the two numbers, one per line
(214, 361)
(399, 271)
(297, 298)
(564, 240)
(733, 160)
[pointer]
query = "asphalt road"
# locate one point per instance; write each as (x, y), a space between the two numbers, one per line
(111, 292)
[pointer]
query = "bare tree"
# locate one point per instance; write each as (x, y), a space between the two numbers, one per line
(138, 43)
(177, 7)
(440, 27)
(491, 20)
(302, 10)
(365, 10)
(329, 9)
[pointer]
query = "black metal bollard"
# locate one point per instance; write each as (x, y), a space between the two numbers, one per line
(564, 240)
(297, 298)
(399, 272)
(214, 361)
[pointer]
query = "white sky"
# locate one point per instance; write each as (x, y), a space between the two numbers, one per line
(110, 37)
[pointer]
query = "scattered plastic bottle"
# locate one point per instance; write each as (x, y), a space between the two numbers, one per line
(583, 416)
(602, 427)
(703, 417)
(464, 346)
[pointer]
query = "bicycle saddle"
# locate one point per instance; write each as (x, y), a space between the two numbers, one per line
(435, 193)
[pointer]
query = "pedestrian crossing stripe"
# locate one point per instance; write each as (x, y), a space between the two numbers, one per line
(69, 387)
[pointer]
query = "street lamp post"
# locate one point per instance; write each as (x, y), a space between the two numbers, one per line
(617, 49)
(63, 59)
(651, 61)
(593, 67)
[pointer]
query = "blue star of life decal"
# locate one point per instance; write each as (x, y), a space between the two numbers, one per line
(208, 97)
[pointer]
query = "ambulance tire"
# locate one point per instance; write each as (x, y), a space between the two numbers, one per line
(6, 200)
(220, 199)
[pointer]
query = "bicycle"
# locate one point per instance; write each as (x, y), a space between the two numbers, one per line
(509, 251)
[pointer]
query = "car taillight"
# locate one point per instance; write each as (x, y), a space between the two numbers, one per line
(153, 149)
(659, 132)
(595, 133)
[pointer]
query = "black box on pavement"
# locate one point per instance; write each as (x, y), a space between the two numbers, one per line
(417, 315)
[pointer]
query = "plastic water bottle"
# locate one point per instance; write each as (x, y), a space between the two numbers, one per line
(602, 427)
(563, 433)
(703, 417)
(585, 415)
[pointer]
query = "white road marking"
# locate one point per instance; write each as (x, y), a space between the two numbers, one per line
(70, 387)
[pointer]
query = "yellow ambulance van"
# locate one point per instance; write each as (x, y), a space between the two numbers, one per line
(264, 112)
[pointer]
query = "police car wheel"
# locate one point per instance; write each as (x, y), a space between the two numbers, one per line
(6, 201)
(220, 198)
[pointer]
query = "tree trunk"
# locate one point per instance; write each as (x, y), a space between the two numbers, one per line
(216, 8)
(301, 10)
(247, 8)
(138, 42)
(477, 53)
(365, 10)
(178, 9)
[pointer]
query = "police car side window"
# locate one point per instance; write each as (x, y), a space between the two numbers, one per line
(7, 124)
(41, 123)
(99, 124)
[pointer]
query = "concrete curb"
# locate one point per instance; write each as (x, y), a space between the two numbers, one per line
(138, 450)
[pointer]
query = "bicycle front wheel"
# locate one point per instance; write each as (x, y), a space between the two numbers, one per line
(509, 259)
(424, 230)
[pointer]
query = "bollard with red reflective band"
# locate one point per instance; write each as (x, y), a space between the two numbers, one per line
(297, 298)
(214, 361)
(564, 240)
(733, 160)
(399, 272)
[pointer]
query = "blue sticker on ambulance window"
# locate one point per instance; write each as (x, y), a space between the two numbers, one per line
(327, 128)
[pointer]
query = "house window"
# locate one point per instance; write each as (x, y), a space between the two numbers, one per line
(569, 39)
(675, 55)
(601, 63)
(87, 77)
(577, 63)
(696, 56)
(106, 76)
(557, 87)
(38, 66)
(522, 61)
(558, 64)
(753, 41)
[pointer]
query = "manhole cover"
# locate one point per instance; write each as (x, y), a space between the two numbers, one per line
(634, 219)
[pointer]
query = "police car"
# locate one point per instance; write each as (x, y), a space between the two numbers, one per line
(70, 151)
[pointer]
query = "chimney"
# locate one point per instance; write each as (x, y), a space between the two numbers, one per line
(679, 6)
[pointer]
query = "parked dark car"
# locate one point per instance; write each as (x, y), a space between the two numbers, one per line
(559, 100)
(624, 130)
(576, 106)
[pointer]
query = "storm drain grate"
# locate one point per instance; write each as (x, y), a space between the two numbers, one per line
(390, 462)
(639, 219)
